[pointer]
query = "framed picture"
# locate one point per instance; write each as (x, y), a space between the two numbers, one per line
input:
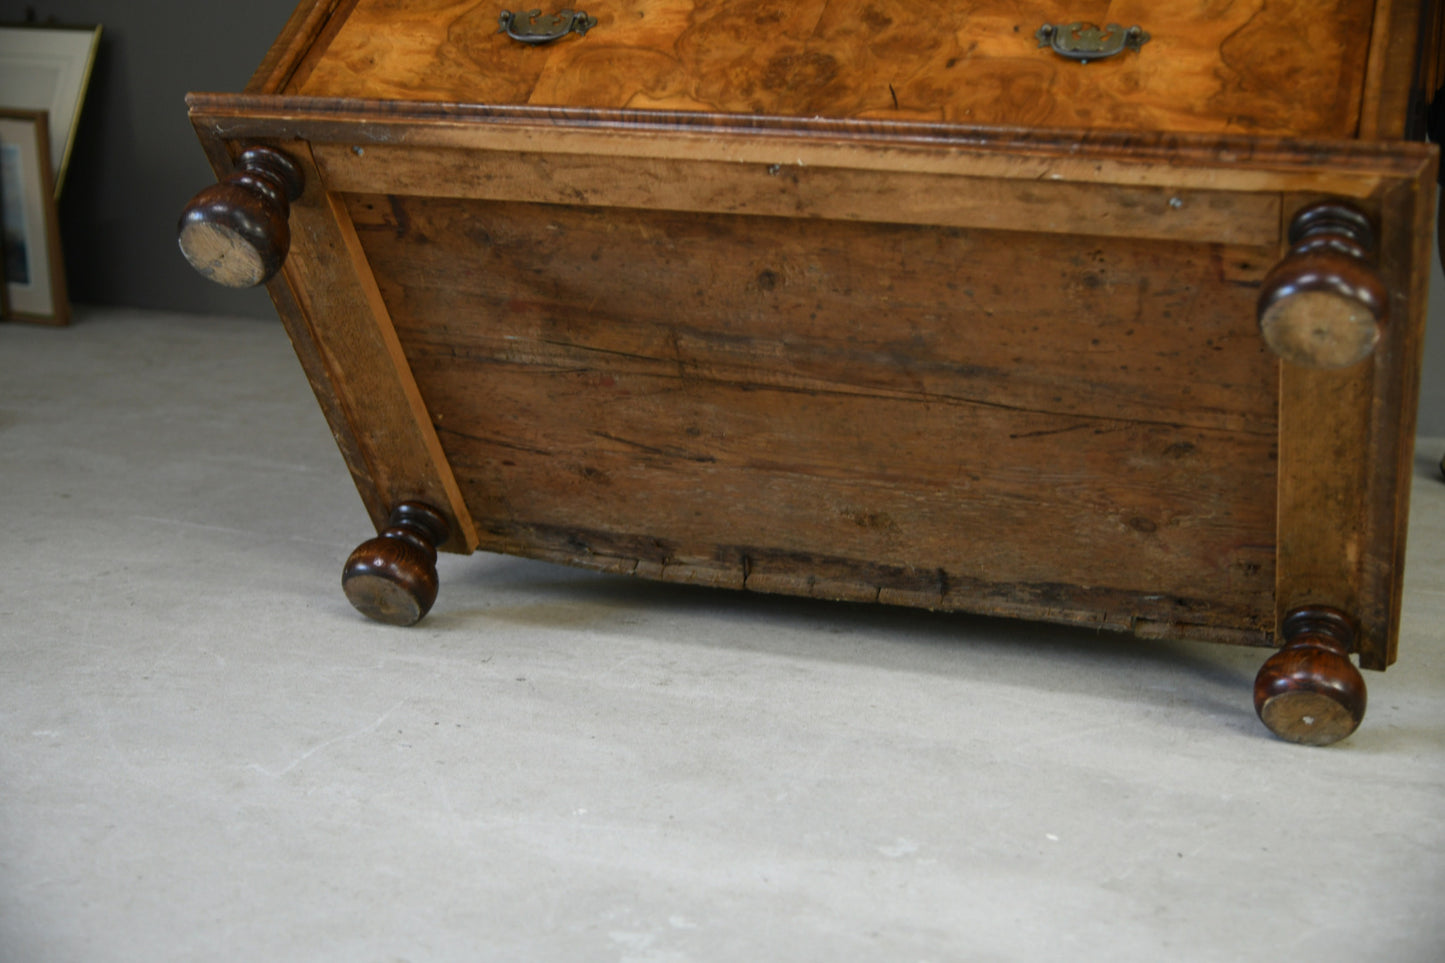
(34, 265)
(44, 67)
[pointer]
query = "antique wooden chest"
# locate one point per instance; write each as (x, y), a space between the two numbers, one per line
(1104, 314)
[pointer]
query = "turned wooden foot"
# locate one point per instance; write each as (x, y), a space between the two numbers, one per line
(393, 578)
(1309, 691)
(1323, 305)
(236, 232)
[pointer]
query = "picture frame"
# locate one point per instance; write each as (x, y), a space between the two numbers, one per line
(33, 260)
(47, 67)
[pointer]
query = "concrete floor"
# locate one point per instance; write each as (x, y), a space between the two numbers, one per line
(206, 755)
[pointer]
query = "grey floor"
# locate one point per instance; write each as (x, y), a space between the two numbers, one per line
(206, 755)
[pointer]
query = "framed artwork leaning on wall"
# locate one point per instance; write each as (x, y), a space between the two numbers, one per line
(34, 264)
(47, 67)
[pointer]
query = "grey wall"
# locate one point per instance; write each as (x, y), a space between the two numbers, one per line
(136, 160)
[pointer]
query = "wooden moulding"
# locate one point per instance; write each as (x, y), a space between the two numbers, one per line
(778, 190)
(1186, 162)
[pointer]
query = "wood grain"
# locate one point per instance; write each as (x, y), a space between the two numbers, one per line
(985, 316)
(1324, 532)
(340, 323)
(848, 410)
(1346, 447)
(302, 35)
(1054, 206)
(1254, 67)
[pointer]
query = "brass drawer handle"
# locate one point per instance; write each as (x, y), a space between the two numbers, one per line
(1088, 41)
(535, 27)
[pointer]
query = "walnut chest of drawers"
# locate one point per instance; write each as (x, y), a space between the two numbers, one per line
(981, 306)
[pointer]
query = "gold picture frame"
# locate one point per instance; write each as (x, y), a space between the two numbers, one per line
(47, 67)
(34, 263)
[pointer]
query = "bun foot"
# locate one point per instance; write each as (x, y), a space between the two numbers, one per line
(1324, 304)
(393, 578)
(236, 232)
(1309, 691)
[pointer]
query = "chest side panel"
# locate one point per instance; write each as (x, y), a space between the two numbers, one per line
(1252, 67)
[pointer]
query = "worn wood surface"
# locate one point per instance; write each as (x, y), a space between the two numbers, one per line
(328, 299)
(856, 411)
(348, 320)
(1253, 67)
(752, 296)
(1346, 448)
(1324, 532)
(785, 190)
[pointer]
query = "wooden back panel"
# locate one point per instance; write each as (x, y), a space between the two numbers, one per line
(1279, 67)
(952, 418)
